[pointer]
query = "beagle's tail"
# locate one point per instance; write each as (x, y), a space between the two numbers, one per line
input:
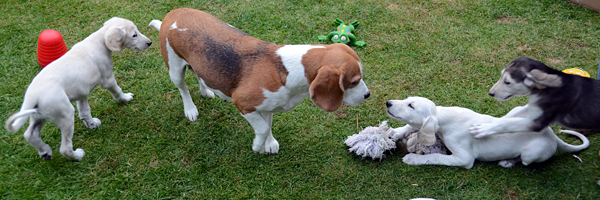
(563, 146)
(156, 24)
(16, 121)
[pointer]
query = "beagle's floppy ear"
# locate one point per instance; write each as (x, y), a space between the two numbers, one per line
(326, 89)
(114, 38)
(426, 135)
(543, 79)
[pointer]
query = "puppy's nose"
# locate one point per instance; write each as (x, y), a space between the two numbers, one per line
(491, 94)
(388, 104)
(367, 95)
(149, 43)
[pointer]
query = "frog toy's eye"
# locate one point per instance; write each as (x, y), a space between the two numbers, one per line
(335, 37)
(343, 38)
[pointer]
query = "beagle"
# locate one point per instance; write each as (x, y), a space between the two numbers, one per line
(259, 77)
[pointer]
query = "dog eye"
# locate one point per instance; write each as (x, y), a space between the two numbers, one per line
(355, 82)
(135, 35)
(411, 106)
(506, 82)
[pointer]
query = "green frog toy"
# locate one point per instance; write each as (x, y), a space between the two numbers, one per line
(343, 34)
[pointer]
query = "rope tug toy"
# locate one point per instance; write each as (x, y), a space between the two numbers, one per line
(373, 142)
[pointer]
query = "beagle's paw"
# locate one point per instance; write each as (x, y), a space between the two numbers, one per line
(207, 93)
(92, 124)
(481, 130)
(191, 113)
(271, 146)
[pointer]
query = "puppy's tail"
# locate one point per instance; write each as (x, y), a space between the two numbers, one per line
(563, 146)
(16, 121)
(156, 24)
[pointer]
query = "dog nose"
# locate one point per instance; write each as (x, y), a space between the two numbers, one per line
(149, 43)
(367, 95)
(491, 94)
(388, 104)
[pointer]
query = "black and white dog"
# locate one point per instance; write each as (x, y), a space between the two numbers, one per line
(567, 100)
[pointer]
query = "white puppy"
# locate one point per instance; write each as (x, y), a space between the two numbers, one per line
(71, 78)
(452, 126)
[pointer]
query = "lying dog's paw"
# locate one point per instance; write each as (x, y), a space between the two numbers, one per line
(507, 163)
(125, 97)
(480, 130)
(411, 159)
(92, 124)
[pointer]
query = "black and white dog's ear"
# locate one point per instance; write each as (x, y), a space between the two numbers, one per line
(426, 135)
(539, 78)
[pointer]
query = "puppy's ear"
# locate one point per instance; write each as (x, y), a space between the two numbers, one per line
(543, 79)
(114, 38)
(427, 132)
(326, 89)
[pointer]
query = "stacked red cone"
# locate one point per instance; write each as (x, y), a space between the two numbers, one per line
(51, 46)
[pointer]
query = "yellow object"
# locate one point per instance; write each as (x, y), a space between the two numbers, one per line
(577, 71)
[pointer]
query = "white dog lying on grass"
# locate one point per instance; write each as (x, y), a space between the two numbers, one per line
(452, 126)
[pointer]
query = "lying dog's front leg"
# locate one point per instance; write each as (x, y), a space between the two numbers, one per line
(85, 114)
(110, 84)
(264, 142)
(402, 132)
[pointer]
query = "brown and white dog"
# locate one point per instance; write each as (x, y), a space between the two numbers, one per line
(259, 77)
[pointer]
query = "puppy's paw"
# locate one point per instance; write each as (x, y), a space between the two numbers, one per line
(92, 124)
(507, 163)
(191, 113)
(480, 130)
(411, 159)
(78, 155)
(125, 97)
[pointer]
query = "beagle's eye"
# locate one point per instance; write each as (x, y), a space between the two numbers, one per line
(355, 82)
(411, 106)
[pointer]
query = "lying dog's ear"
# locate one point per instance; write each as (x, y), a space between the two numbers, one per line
(426, 134)
(113, 38)
(326, 90)
(543, 79)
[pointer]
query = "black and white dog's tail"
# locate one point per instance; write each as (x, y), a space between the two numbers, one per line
(156, 24)
(16, 121)
(563, 146)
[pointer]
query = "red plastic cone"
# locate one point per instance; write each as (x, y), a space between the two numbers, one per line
(51, 46)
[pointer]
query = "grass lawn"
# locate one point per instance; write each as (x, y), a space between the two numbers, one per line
(450, 51)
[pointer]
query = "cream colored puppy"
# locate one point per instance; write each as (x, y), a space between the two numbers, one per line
(71, 78)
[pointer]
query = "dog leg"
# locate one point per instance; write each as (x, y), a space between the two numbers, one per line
(32, 136)
(439, 159)
(66, 124)
(110, 84)
(204, 89)
(85, 114)
(402, 132)
(502, 125)
(264, 142)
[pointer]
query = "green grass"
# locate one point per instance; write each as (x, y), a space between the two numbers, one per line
(450, 51)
